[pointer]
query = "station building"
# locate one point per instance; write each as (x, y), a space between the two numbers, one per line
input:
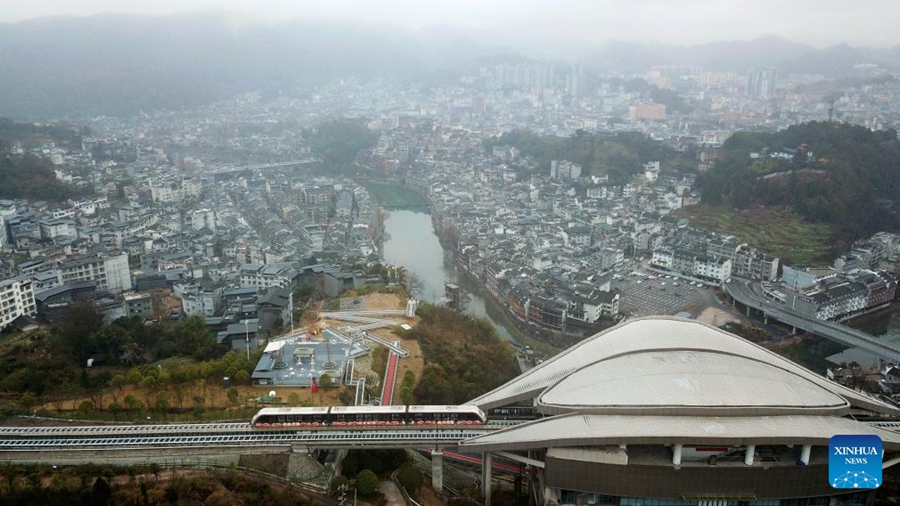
(664, 411)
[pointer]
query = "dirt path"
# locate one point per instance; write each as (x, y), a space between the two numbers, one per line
(716, 317)
(391, 493)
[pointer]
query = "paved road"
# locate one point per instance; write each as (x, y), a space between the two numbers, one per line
(750, 294)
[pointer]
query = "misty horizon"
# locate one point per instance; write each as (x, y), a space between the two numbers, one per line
(556, 31)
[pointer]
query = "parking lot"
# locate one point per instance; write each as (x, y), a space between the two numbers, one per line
(663, 296)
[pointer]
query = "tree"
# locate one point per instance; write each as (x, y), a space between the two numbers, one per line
(149, 384)
(133, 404)
(34, 481)
(134, 377)
(193, 339)
(117, 383)
(325, 381)
(414, 284)
(242, 377)
(410, 477)
(233, 395)
(115, 408)
(198, 403)
(76, 330)
(101, 492)
(155, 469)
(162, 402)
(294, 399)
(406, 395)
(366, 482)
(28, 400)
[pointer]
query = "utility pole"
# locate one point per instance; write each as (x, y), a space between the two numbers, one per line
(247, 336)
(291, 310)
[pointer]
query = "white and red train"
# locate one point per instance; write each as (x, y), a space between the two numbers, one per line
(384, 416)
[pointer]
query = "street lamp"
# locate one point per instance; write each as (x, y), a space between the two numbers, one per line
(247, 336)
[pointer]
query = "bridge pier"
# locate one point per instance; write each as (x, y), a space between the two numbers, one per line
(766, 319)
(793, 330)
(804, 454)
(748, 457)
(486, 465)
(748, 311)
(437, 471)
(302, 465)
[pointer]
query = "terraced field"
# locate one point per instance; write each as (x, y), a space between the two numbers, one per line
(776, 231)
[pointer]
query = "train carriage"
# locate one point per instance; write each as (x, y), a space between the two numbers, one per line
(368, 415)
(290, 417)
(445, 415)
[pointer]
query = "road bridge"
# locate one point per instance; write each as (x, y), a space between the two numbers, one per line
(749, 293)
(262, 166)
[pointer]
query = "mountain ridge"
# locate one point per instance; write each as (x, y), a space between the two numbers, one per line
(119, 64)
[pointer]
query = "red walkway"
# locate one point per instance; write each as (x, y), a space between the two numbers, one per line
(390, 375)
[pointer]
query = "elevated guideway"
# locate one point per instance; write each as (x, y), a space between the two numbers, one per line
(312, 440)
(749, 293)
(15, 439)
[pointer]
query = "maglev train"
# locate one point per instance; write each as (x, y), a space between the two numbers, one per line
(342, 416)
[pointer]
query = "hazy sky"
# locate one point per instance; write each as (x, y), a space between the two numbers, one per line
(816, 22)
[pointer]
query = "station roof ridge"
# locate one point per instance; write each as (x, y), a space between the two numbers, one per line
(697, 368)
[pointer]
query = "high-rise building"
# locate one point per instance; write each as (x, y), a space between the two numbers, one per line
(525, 75)
(575, 81)
(647, 112)
(761, 83)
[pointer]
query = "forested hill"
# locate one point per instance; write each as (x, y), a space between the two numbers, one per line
(843, 175)
(619, 155)
(31, 177)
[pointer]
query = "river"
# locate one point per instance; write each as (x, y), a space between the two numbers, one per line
(412, 243)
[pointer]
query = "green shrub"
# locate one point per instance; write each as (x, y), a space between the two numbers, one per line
(366, 482)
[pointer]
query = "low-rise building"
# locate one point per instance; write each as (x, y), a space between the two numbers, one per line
(16, 300)
(111, 273)
(138, 304)
(265, 276)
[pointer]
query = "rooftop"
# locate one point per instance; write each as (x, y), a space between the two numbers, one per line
(667, 365)
(597, 430)
(688, 382)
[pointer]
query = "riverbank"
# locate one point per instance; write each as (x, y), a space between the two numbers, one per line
(498, 314)
(431, 255)
(392, 196)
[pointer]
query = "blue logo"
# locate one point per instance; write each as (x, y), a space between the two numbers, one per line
(854, 462)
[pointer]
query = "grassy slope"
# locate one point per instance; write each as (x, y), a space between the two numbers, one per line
(778, 232)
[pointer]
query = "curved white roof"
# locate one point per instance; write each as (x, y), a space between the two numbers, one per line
(669, 334)
(683, 382)
(596, 430)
